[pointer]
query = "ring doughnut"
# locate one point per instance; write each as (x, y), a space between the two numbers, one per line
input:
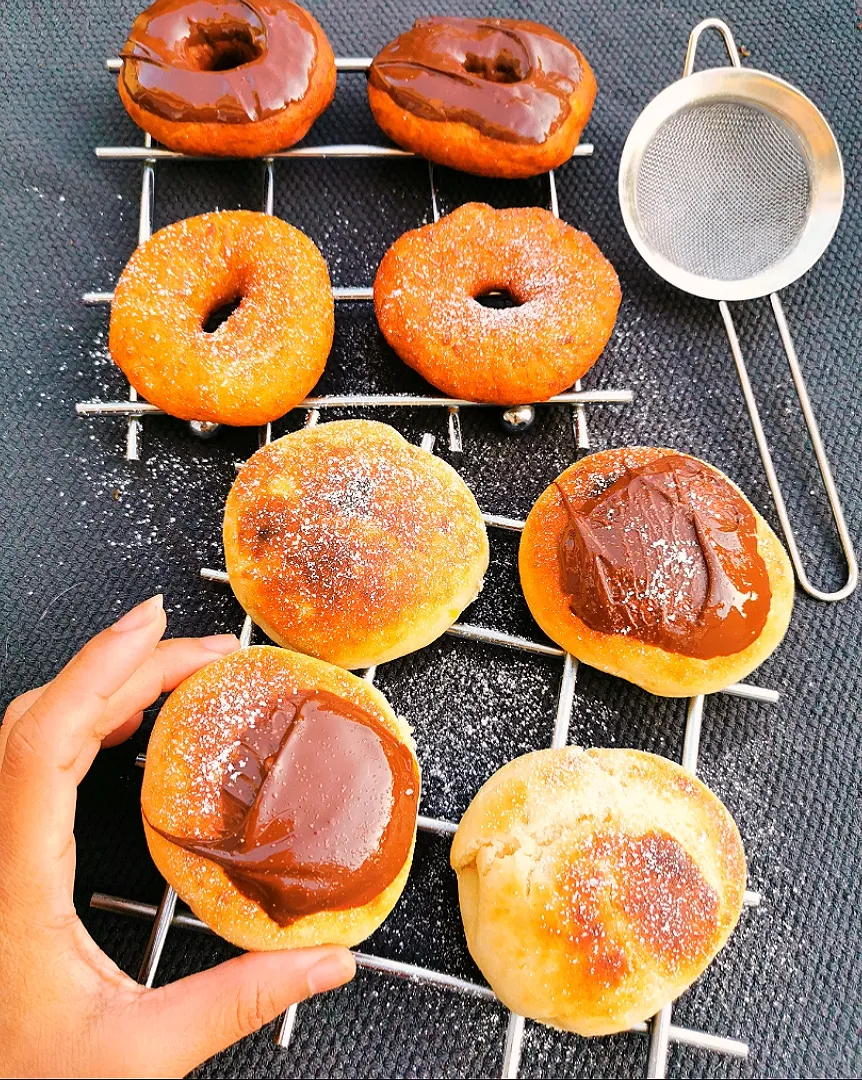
(568, 295)
(652, 565)
(497, 97)
(346, 542)
(279, 800)
(264, 358)
(226, 77)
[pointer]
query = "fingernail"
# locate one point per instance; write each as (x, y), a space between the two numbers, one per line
(220, 643)
(335, 970)
(139, 616)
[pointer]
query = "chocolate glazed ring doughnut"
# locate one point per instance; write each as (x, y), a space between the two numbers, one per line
(280, 798)
(653, 566)
(568, 295)
(497, 97)
(226, 77)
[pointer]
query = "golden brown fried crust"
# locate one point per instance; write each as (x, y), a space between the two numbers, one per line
(462, 146)
(659, 671)
(259, 363)
(569, 295)
(200, 721)
(255, 138)
(596, 885)
(346, 542)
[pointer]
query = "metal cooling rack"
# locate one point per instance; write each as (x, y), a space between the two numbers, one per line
(135, 410)
(660, 1030)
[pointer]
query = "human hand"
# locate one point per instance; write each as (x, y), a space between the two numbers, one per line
(67, 1009)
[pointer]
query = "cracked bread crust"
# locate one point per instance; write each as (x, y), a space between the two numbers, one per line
(596, 885)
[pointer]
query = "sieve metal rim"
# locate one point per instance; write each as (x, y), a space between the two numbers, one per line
(774, 97)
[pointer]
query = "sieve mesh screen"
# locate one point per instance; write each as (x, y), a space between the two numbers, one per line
(723, 190)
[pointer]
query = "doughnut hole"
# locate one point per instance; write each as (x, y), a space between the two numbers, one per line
(220, 314)
(497, 298)
(221, 48)
(501, 68)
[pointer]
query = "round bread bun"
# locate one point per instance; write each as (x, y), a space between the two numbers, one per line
(657, 670)
(596, 885)
(197, 727)
(346, 542)
(264, 358)
(425, 300)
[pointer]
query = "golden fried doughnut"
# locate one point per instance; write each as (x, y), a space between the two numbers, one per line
(568, 296)
(346, 542)
(226, 77)
(497, 97)
(280, 799)
(264, 358)
(652, 565)
(596, 885)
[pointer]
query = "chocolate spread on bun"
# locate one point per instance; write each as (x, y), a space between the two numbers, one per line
(319, 807)
(507, 78)
(666, 553)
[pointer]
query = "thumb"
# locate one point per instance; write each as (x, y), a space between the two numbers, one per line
(188, 1021)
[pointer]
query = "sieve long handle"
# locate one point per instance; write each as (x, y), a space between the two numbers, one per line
(816, 442)
(710, 24)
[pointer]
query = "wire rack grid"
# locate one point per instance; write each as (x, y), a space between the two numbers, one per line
(135, 410)
(662, 1032)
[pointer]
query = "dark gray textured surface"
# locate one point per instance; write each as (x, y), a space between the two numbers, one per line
(90, 533)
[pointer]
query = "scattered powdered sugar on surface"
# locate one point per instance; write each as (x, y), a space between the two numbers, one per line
(472, 708)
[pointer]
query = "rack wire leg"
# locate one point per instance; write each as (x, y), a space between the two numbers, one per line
(145, 231)
(514, 1045)
(659, 1042)
(155, 945)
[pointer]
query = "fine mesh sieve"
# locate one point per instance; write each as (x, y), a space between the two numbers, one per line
(731, 187)
(723, 190)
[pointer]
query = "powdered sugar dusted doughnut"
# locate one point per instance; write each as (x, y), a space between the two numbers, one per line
(264, 358)
(567, 294)
(346, 542)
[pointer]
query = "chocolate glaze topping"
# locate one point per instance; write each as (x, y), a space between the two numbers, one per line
(509, 79)
(319, 805)
(225, 61)
(666, 553)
